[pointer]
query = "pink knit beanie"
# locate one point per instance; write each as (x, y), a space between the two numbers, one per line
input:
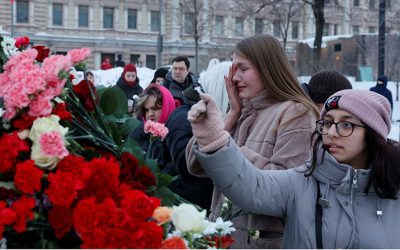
(371, 108)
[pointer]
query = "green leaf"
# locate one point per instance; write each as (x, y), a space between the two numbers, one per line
(7, 184)
(116, 134)
(133, 147)
(166, 195)
(165, 179)
(113, 102)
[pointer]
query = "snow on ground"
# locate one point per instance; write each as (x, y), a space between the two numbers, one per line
(110, 77)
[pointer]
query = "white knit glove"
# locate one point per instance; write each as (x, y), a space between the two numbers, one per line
(207, 124)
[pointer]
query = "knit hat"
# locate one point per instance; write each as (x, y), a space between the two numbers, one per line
(371, 108)
(383, 79)
(129, 68)
(161, 72)
(325, 83)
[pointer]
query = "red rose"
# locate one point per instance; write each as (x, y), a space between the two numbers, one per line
(60, 219)
(23, 208)
(146, 177)
(146, 235)
(83, 92)
(10, 148)
(129, 167)
(43, 52)
(61, 111)
(24, 122)
(175, 242)
(61, 190)
(103, 181)
(138, 205)
(21, 42)
(28, 177)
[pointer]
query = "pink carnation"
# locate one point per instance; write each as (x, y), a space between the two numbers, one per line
(156, 129)
(52, 145)
(54, 64)
(78, 55)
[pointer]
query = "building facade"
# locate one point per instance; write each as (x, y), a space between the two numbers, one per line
(152, 32)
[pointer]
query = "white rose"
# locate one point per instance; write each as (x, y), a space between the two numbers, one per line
(187, 218)
(46, 124)
(47, 163)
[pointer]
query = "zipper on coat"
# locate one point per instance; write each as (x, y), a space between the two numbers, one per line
(353, 185)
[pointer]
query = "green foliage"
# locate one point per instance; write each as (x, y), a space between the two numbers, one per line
(113, 102)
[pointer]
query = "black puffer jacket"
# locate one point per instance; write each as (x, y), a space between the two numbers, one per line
(129, 91)
(383, 90)
(194, 189)
(176, 88)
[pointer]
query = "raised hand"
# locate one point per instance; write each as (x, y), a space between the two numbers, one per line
(207, 124)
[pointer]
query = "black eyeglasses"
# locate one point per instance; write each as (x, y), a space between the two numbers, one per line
(344, 129)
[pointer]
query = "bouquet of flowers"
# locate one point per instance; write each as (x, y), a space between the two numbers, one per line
(68, 179)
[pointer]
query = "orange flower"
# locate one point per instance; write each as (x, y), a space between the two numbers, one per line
(162, 214)
(175, 242)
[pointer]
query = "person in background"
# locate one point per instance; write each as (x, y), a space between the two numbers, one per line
(106, 64)
(128, 82)
(194, 189)
(344, 196)
(119, 62)
(213, 83)
(323, 84)
(179, 78)
(159, 76)
(381, 88)
(89, 77)
(155, 104)
(271, 119)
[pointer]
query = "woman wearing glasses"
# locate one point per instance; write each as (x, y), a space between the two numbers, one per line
(344, 196)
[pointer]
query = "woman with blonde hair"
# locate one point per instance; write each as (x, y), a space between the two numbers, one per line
(270, 119)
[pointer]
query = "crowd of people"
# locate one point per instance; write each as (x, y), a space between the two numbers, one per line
(303, 165)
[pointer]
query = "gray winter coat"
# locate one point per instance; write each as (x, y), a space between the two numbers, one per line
(350, 220)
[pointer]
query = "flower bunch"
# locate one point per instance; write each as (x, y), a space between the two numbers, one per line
(64, 171)
(188, 227)
(156, 129)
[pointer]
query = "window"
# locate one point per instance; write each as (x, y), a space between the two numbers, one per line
(276, 29)
(155, 20)
(371, 4)
(57, 14)
(108, 17)
(356, 3)
(295, 30)
(338, 47)
(326, 29)
(371, 29)
(335, 29)
(239, 26)
(189, 23)
(219, 25)
(83, 16)
(151, 61)
(356, 29)
(132, 18)
(258, 26)
(22, 11)
(135, 58)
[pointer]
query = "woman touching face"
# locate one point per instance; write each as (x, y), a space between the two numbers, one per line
(246, 78)
(343, 135)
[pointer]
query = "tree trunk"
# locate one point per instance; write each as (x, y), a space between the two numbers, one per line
(318, 10)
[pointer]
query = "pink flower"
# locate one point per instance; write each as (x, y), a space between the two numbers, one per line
(156, 129)
(78, 55)
(52, 145)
